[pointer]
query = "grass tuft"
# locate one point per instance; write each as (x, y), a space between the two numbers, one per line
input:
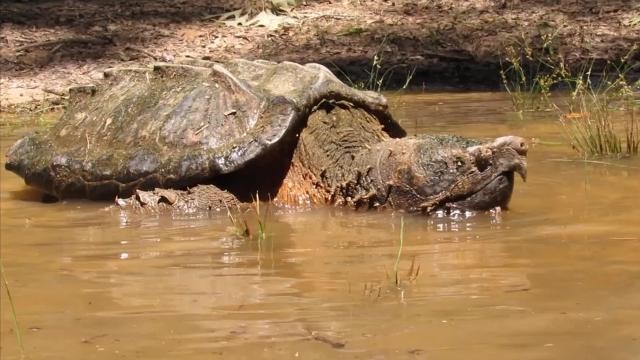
(599, 117)
(379, 74)
(239, 219)
(529, 74)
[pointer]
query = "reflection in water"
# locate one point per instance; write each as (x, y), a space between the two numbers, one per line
(553, 277)
(457, 220)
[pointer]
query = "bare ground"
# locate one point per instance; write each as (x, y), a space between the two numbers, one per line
(46, 46)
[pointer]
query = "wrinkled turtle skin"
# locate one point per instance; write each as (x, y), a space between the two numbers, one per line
(199, 135)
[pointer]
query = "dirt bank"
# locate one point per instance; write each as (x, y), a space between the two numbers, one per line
(49, 45)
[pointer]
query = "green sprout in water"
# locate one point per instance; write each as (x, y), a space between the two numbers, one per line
(395, 266)
(395, 284)
(261, 218)
(414, 271)
(13, 310)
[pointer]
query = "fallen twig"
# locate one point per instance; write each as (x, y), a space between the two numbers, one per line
(142, 51)
(223, 16)
(56, 92)
(306, 17)
(63, 41)
(49, 108)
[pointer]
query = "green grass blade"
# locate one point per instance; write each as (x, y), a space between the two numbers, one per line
(13, 310)
(395, 267)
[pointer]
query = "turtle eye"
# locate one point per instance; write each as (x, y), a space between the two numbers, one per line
(482, 163)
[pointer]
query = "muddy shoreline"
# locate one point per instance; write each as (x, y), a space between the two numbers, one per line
(47, 46)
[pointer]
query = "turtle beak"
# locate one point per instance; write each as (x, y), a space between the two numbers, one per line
(514, 160)
(517, 164)
(522, 170)
(507, 159)
(505, 154)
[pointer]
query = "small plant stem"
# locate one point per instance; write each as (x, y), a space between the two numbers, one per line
(395, 267)
(262, 219)
(379, 76)
(13, 311)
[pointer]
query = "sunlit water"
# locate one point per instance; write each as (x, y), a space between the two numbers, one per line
(555, 277)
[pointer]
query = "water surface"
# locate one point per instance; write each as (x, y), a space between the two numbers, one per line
(555, 277)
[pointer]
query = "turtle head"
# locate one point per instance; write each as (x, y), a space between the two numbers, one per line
(449, 172)
(491, 174)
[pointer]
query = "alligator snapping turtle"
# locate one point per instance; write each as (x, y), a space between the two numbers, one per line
(291, 132)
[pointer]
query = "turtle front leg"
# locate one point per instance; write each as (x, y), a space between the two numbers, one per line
(196, 199)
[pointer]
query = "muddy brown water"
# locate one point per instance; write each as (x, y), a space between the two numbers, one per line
(555, 277)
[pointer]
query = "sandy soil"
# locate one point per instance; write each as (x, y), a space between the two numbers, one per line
(46, 46)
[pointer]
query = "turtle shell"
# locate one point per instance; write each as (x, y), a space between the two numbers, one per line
(178, 125)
